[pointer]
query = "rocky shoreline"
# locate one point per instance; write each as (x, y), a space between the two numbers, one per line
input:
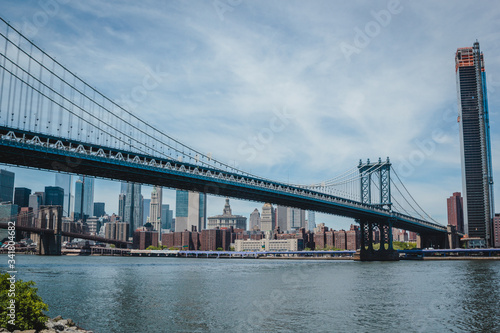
(54, 325)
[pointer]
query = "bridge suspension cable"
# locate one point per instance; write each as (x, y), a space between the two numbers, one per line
(64, 104)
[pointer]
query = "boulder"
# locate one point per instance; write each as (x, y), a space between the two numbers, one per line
(57, 318)
(71, 322)
(58, 327)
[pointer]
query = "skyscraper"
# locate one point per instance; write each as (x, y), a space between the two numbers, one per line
(282, 218)
(99, 209)
(311, 220)
(54, 196)
(475, 146)
(64, 181)
(190, 211)
(296, 218)
(254, 220)
(22, 196)
(121, 205)
(267, 218)
(133, 207)
(456, 211)
(88, 195)
(36, 200)
(6, 185)
(146, 205)
(166, 217)
(155, 209)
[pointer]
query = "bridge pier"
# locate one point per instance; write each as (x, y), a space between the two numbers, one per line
(385, 252)
(49, 242)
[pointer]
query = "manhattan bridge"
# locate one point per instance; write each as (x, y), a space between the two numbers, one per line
(51, 119)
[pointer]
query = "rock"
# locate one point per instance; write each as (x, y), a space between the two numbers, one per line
(57, 318)
(49, 324)
(71, 322)
(48, 331)
(63, 322)
(28, 331)
(58, 327)
(4, 330)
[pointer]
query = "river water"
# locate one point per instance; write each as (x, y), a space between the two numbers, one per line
(127, 294)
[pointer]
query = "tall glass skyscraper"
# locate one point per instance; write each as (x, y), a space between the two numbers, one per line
(64, 181)
(475, 146)
(190, 211)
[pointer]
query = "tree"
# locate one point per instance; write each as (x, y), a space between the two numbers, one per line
(29, 306)
(220, 249)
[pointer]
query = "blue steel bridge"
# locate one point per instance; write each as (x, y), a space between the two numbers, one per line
(51, 119)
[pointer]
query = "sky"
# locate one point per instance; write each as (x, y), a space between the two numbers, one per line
(293, 91)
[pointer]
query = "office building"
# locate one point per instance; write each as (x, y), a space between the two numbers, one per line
(296, 218)
(311, 220)
(496, 230)
(99, 209)
(146, 206)
(36, 200)
(22, 196)
(281, 218)
(6, 185)
(267, 218)
(121, 205)
(88, 195)
(456, 211)
(54, 196)
(227, 219)
(190, 211)
(155, 208)
(133, 212)
(254, 220)
(475, 144)
(64, 181)
(166, 217)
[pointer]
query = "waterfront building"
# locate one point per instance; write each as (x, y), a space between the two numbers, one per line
(133, 211)
(267, 218)
(116, 230)
(340, 239)
(496, 230)
(475, 143)
(227, 219)
(64, 181)
(6, 185)
(54, 196)
(22, 196)
(269, 245)
(190, 211)
(353, 238)
(144, 239)
(455, 211)
(254, 220)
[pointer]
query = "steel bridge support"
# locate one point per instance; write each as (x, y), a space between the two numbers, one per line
(383, 171)
(370, 231)
(50, 218)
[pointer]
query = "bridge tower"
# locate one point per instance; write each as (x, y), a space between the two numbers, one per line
(49, 219)
(376, 231)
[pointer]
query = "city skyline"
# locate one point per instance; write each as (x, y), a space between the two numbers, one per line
(374, 111)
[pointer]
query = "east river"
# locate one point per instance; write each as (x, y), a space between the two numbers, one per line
(127, 294)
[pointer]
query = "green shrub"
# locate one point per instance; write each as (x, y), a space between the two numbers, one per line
(29, 306)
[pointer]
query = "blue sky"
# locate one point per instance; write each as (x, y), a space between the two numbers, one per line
(290, 90)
